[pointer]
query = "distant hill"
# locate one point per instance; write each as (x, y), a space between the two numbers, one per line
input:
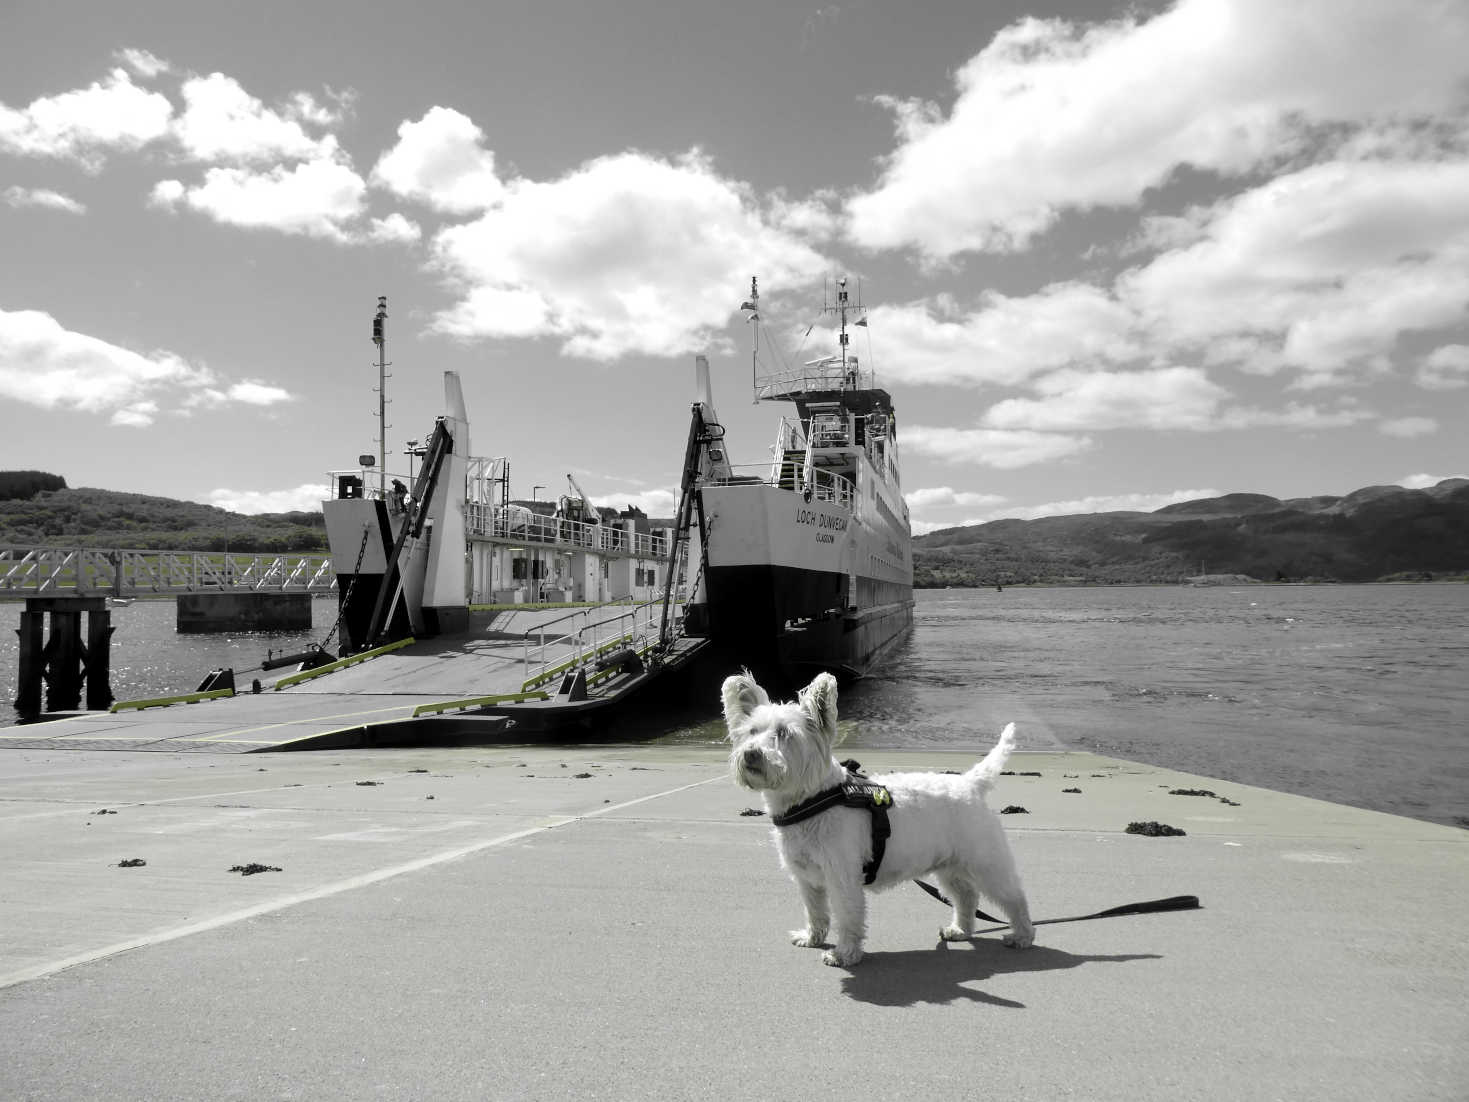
(1375, 533)
(106, 518)
(1370, 534)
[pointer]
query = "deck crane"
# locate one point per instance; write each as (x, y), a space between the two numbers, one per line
(579, 506)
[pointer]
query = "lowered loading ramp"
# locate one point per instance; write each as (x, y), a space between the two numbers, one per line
(371, 703)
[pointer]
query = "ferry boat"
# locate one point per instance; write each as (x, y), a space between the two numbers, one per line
(803, 563)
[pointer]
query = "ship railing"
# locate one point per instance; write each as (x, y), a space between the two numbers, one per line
(368, 483)
(817, 376)
(516, 522)
(590, 633)
(828, 430)
(791, 474)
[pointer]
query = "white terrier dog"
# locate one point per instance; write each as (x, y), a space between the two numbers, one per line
(940, 823)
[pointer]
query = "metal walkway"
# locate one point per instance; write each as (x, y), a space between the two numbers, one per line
(92, 571)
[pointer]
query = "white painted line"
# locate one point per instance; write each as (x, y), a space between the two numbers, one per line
(37, 971)
(225, 735)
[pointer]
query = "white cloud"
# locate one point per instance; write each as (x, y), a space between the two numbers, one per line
(817, 217)
(1408, 427)
(221, 123)
(441, 161)
(1075, 401)
(1445, 368)
(305, 107)
(628, 254)
(42, 364)
(166, 193)
(45, 365)
(84, 125)
(253, 393)
(1425, 481)
(1110, 503)
(1004, 449)
(1101, 503)
(1052, 115)
(1005, 341)
(936, 497)
(136, 415)
(1321, 269)
(18, 197)
(142, 62)
(1294, 415)
(1317, 274)
(394, 229)
(316, 198)
(656, 503)
(306, 498)
(1069, 404)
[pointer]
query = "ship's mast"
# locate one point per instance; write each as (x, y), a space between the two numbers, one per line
(841, 307)
(751, 306)
(379, 338)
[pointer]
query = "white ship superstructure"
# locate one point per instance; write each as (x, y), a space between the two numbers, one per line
(805, 561)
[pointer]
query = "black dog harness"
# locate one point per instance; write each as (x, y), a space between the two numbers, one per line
(855, 791)
(858, 791)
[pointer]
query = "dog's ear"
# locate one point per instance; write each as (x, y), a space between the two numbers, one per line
(741, 697)
(819, 703)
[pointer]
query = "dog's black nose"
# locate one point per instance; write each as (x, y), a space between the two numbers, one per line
(752, 757)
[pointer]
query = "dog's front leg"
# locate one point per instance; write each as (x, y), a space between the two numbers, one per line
(849, 921)
(813, 895)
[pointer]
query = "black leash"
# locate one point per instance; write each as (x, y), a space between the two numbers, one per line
(1151, 906)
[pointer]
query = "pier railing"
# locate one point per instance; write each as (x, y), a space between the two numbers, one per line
(93, 571)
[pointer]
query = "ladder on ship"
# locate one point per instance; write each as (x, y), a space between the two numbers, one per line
(701, 434)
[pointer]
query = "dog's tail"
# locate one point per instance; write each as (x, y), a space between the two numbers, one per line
(983, 775)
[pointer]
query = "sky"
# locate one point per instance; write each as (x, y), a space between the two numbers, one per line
(1112, 256)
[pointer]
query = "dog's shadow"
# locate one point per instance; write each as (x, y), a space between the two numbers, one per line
(943, 975)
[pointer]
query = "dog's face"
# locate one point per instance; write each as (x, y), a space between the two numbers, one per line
(781, 747)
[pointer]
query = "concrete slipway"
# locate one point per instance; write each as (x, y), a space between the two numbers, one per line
(521, 922)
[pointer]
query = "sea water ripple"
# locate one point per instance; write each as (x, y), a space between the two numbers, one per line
(1358, 694)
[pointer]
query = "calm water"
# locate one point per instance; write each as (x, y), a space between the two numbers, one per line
(1358, 694)
(150, 659)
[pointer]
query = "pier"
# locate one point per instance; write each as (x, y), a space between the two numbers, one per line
(571, 922)
(512, 673)
(119, 572)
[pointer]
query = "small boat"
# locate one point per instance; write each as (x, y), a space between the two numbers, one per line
(120, 600)
(804, 562)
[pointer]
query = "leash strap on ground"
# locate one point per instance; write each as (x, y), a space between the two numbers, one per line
(1151, 906)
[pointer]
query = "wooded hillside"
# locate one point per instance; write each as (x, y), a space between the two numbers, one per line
(1373, 533)
(60, 517)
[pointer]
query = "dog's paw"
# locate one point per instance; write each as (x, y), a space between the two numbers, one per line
(808, 939)
(1019, 941)
(841, 958)
(953, 933)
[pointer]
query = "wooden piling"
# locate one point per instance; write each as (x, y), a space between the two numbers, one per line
(59, 659)
(32, 632)
(99, 660)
